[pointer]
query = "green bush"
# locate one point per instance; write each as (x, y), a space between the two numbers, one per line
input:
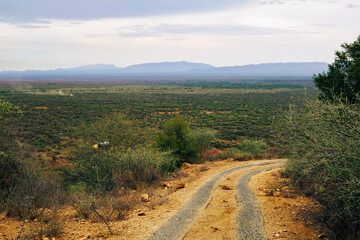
(7, 109)
(255, 148)
(93, 168)
(324, 159)
(129, 161)
(175, 137)
(202, 139)
(25, 186)
(186, 144)
(116, 128)
(141, 166)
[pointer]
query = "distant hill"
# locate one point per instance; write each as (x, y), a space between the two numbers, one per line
(173, 69)
(167, 67)
(96, 67)
(272, 69)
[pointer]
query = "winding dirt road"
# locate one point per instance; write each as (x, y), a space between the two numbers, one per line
(243, 219)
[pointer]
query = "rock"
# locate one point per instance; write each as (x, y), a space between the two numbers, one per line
(145, 197)
(180, 185)
(277, 207)
(167, 185)
(141, 213)
(277, 235)
(162, 195)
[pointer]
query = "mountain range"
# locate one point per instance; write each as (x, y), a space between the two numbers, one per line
(174, 69)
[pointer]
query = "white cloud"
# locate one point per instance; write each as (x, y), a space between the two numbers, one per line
(188, 29)
(251, 33)
(16, 11)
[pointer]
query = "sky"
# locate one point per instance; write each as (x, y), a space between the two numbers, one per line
(50, 34)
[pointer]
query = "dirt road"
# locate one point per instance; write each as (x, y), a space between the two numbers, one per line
(214, 202)
(248, 224)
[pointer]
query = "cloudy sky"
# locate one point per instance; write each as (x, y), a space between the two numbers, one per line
(44, 34)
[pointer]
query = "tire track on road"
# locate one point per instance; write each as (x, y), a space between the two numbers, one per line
(180, 223)
(249, 222)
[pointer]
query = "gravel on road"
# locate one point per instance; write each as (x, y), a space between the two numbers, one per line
(249, 223)
(180, 223)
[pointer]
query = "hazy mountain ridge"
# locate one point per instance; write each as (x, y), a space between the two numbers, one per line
(176, 69)
(167, 67)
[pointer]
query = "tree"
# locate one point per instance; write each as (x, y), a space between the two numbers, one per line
(175, 137)
(202, 138)
(342, 80)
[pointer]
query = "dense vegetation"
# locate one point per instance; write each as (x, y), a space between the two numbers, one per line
(244, 111)
(323, 144)
(24, 186)
(130, 160)
(324, 160)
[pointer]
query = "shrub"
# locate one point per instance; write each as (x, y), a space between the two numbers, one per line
(324, 160)
(255, 148)
(141, 166)
(188, 145)
(202, 139)
(130, 160)
(175, 137)
(25, 186)
(93, 168)
(33, 189)
(235, 154)
(116, 128)
(7, 109)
